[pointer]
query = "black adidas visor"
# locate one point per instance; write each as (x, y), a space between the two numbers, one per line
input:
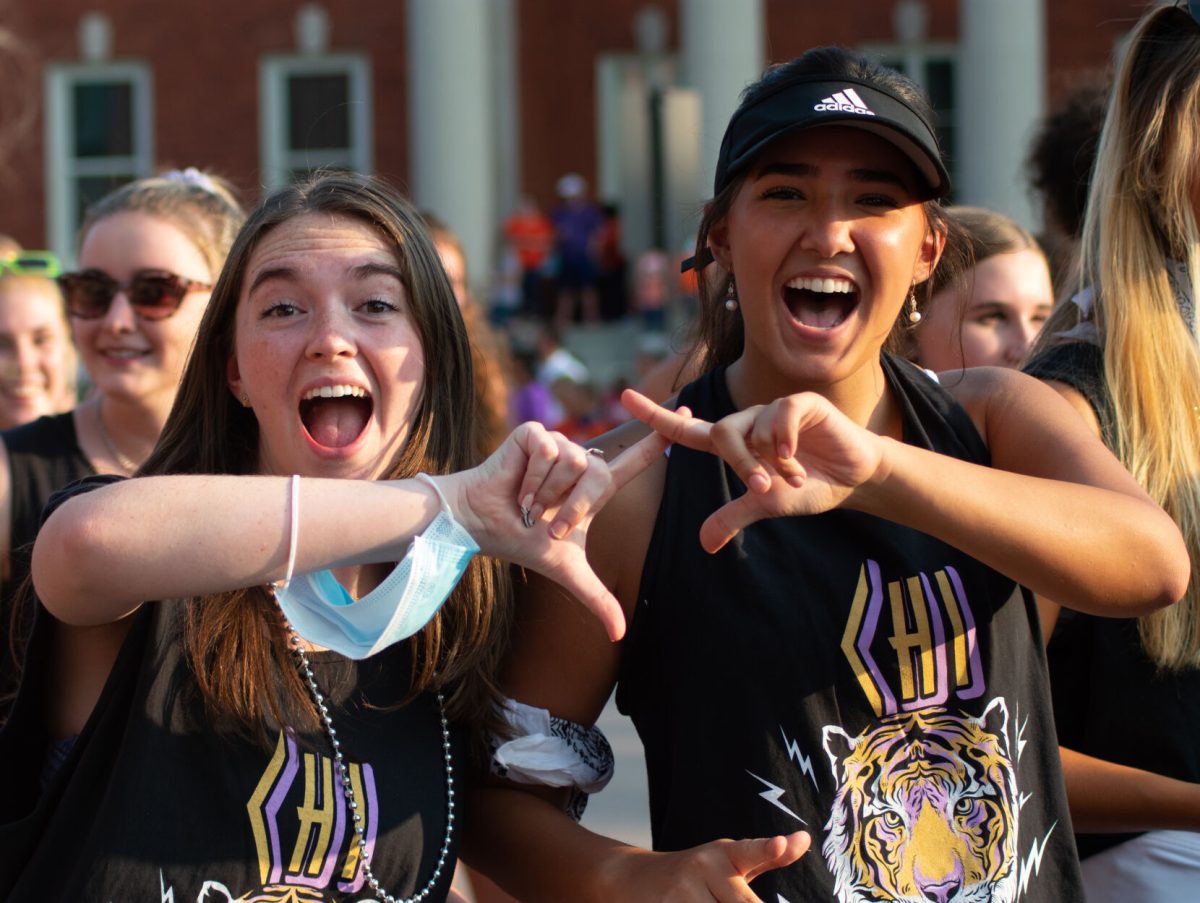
(819, 100)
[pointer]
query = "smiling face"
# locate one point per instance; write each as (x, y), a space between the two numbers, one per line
(824, 238)
(37, 361)
(125, 355)
(326, 353)
(989, 319)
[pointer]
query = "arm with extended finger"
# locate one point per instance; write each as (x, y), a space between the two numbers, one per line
(103, 552)
(1057, 512)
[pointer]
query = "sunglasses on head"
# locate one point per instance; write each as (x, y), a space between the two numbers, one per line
(31, 263)
(153, 294)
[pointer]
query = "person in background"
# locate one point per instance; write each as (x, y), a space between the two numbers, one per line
(989, 314)
(1125, 352)
(531, 234)
(9, 247)
(149, 253)
(612, 275)
(1061, 159)
(489, 356)
(38, 363)
(652, 289)
(577, 223)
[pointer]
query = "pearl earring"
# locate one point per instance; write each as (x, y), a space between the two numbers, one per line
(914, 315)
(731, 300)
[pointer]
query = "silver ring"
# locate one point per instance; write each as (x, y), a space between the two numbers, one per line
(526, 517)
(598, 453)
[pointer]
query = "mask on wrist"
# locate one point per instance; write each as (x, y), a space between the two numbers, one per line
(323, 613)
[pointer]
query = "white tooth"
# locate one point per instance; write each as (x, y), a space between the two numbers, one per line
(827, 286)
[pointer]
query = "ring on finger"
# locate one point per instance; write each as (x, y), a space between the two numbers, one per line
(526, 516)
(598, 453)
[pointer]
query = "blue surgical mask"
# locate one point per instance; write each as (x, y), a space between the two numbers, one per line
(322, 612)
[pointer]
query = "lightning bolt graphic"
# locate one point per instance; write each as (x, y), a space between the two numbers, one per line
(167, 894)
(1021, 725)
(772, 795)
(802, 760)
(1033, 862)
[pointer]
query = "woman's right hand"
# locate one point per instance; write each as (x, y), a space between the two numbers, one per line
(797, 455)
(562, 486)
(718, 871)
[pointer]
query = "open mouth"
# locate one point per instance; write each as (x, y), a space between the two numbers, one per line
(334, 416)
(820, 302)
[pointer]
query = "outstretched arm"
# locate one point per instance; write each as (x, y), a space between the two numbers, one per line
(1056, 512)
(104, 552)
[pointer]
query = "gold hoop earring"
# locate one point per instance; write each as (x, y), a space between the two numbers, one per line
(914, 315)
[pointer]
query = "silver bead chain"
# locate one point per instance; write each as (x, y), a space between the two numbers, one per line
(352, 803)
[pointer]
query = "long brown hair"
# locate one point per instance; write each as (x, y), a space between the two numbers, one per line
(235, 640)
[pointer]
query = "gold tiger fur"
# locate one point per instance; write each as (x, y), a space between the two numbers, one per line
(926, 809)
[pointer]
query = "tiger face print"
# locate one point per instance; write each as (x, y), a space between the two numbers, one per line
(926, 809)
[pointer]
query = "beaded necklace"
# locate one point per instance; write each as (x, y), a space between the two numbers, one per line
(348, 790)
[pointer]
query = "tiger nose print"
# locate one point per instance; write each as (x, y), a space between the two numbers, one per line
(936, 857)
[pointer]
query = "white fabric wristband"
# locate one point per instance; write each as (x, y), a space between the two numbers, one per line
(553, 752)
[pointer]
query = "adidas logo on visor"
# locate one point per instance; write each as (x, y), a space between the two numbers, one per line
(846, 101)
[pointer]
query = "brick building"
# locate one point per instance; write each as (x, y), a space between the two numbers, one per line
(467, 103)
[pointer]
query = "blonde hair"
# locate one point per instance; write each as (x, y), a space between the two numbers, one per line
(201, 205)
(1140, 217)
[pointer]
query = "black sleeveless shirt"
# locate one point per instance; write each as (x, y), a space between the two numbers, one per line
(851, 677)
(43, 456)
(1110, 699)
(155, 802)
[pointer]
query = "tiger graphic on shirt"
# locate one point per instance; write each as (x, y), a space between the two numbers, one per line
(926, 809)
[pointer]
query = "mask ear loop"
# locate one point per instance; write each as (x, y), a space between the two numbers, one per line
(293, 530)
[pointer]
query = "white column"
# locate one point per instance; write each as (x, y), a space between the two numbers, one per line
(451, 152)
(721, 46)
(1001, 98)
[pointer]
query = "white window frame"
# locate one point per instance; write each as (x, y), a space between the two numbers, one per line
(277, 160)
(63, 168)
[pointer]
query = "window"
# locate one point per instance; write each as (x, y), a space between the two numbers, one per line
(98, 137)
(316, 112)
(934, 68)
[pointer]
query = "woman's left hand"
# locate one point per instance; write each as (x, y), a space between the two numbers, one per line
(797, 455)
(532, 501)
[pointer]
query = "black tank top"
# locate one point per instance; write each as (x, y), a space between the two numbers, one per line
(43, 456)
(1110, 699)
(155, 802)
(851, 677)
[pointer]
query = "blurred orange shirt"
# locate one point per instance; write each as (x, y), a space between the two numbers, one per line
(531, 235)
